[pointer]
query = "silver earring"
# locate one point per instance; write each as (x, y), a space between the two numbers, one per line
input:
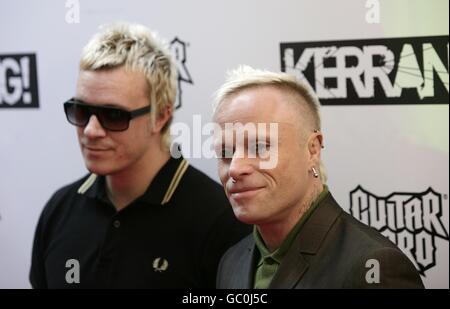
(233, 180)
(315, 174)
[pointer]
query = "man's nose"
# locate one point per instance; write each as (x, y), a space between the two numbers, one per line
(240, 166)
(93, 128)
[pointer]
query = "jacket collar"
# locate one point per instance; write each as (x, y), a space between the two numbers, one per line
(308, 242)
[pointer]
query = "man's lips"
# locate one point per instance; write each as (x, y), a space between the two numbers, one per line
(244, 192)
(95, 149)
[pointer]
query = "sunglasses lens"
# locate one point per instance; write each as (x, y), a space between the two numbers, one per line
(113, 119)
(110, 118)
(76, 114)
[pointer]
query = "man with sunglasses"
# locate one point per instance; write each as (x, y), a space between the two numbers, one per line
(140, 218)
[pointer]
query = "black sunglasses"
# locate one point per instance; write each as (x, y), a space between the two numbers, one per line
(78, 113)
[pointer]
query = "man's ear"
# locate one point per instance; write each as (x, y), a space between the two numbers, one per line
(315, 143)
(162, 118)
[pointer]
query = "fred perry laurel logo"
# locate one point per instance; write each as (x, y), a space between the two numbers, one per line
(160, 264)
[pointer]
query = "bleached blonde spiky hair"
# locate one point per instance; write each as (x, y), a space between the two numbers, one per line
(245, 77)
(138, 49)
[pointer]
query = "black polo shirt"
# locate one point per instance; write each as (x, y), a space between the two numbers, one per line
(171, 237)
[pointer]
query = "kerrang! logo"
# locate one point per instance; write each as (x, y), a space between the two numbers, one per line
(18, 81)
(412, 221)
(410, 70)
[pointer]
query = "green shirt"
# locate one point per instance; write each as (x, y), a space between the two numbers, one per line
(270, 261)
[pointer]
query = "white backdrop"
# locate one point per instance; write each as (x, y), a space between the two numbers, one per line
(388, 150)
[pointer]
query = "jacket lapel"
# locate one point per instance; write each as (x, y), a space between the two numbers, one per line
(247, 262)
(309, 239)
(290, 272)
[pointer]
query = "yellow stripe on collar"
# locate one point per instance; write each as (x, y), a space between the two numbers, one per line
(175, 181)
(87, 184)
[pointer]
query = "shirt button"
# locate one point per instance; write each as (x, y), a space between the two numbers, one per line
(116, 224)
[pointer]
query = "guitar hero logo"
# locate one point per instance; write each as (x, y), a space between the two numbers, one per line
(412, 221)
(379, 71)
(178, 48)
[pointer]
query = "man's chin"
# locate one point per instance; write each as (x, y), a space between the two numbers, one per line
(243, 214)
(98, 170)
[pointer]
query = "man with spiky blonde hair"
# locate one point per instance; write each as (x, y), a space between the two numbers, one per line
(141, 218)
(302, 238)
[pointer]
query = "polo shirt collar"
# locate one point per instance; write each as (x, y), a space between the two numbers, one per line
(159, 192)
